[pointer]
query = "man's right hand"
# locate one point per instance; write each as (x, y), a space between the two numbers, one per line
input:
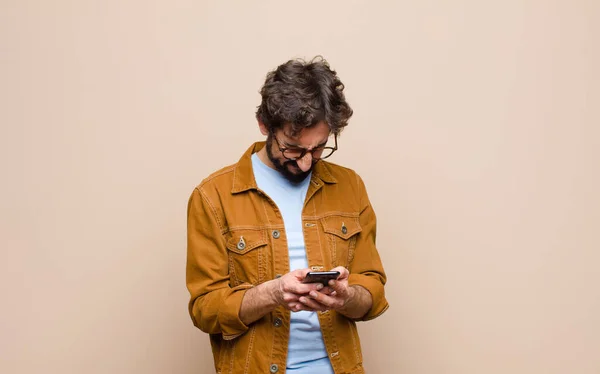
(285, 291)
(290, 288)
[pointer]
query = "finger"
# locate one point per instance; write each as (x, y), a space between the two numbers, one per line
(301, 273)
(340, 288)
(297, 307)
(327, 291)
(305, 271)
(343, 272)
(289, 297)
(301, 307)
(303, 288)
(330, 302)
(311, 303)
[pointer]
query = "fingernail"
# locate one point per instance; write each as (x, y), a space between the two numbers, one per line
(319, 286)
(332, 282)
(313, 294)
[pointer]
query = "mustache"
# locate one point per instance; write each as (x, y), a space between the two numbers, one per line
(294, 163)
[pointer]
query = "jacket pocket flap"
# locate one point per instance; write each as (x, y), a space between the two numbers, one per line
(243, 241)
(343, 226)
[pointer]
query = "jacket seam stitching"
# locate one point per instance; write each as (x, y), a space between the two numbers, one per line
(334, 251)
(212, 207)
(250, 347)
(255, 228)
(351, 249)
(334, 213)
(272, 246)
(355, 331)
(232, 356)
(357, 178)
(218, 174)
(319, 236)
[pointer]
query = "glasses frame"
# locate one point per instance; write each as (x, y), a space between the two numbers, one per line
(306, 150)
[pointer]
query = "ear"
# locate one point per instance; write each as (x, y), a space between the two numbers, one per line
(263, 128)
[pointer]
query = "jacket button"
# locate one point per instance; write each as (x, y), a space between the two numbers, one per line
(241, 244)
(277, 322)
(276, 234)
(274, 368)
(344, 229)
(277, 276)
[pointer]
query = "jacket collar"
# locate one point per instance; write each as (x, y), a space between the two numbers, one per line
(243, 176)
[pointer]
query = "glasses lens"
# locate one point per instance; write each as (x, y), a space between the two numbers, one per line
(318, 153)
(326, 152)
(292, 153)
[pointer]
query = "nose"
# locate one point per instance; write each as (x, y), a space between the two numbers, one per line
(305, 162)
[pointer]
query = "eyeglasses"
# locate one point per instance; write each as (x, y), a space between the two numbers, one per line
(296, 153)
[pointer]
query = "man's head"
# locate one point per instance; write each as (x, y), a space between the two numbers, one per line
(302, 105)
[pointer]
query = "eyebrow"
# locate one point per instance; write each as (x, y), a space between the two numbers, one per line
(297, 146)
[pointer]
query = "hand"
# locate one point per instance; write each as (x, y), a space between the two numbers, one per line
(333, 297)
(289, 289)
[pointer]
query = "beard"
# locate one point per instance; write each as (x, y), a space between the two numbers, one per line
(288, 168)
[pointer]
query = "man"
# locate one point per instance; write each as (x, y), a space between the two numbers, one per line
(256, 228)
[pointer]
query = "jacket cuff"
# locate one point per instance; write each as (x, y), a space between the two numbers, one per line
(376, 289)
(229, 313)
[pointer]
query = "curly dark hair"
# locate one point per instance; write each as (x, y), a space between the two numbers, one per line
(303, 94)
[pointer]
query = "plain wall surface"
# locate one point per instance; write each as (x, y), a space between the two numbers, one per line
(476, 130)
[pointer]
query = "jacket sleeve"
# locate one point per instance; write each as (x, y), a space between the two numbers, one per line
(214, 305)
(366, 269)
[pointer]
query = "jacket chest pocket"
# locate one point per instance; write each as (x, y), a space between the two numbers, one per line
(341, 233)
(247, 253)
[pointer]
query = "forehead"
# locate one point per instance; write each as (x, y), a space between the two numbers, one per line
(309, 136)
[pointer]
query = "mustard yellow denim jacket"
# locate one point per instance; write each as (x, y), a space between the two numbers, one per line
(236, 240)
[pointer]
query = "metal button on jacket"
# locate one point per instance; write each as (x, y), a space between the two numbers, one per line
(344, 229)
(241, 244)
(274, 368)
(277, 322)
(276, 234)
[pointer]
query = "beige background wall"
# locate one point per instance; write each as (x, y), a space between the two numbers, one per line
(476, 129)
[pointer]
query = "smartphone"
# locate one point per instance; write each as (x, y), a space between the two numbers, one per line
(322, 277)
